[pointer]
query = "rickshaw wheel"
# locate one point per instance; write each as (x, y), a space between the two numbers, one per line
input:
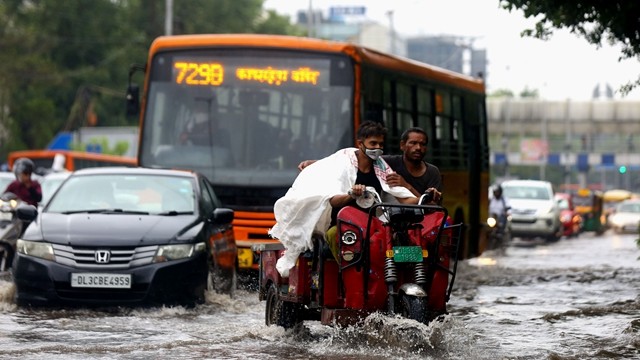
(414, 307)
(281, 313)
(272, 307)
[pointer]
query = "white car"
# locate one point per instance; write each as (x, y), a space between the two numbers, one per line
(626, 217)
(534, 211)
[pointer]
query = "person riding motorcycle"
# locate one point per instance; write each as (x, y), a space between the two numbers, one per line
(499, 204)
(25, 188)
(499, 208)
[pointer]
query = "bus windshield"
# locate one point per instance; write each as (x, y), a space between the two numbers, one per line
(246, 117)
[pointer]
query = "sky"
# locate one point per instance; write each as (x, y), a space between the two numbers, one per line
(564, 67)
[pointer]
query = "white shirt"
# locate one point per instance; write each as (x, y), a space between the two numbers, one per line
(498, 206)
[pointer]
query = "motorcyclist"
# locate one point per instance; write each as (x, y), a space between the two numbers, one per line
(25, 188)
(499, 205)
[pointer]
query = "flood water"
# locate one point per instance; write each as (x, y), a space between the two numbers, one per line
(573, 299)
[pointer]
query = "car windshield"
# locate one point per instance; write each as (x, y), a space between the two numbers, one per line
(50, 184)
(527, 192)
(629, 207)
(563, 204)
(125, 193)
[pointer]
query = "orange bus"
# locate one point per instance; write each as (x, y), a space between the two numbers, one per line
(43, 159)
(273, 101)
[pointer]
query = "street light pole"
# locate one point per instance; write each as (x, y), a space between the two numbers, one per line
(392, 32)
(168, 17)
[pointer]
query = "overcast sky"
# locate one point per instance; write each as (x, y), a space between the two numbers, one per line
(565, 67)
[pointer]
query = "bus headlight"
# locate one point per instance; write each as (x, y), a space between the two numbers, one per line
(35, 248)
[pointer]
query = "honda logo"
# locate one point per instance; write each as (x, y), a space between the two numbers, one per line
(103, 256)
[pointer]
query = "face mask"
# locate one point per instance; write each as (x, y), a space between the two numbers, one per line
(373, 154)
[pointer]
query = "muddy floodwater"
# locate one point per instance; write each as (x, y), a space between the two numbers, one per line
(573, 299)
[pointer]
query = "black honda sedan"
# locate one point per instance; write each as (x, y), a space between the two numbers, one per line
(118, 236)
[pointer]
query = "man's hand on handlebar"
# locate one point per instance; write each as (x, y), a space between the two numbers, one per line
(433, 196)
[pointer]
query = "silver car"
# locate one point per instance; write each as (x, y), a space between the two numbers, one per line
(534, 211)
(626, 217)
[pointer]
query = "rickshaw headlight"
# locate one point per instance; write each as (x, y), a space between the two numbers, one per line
(349, 237)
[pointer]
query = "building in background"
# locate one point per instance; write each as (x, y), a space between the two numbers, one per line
(350, 24)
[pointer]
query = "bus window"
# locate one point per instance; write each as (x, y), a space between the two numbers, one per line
(274, 108)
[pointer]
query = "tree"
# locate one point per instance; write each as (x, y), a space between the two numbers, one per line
(502, 93)
(598, 21)
(529, 93)
(62, 60)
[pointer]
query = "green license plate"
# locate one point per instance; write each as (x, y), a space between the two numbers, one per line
(407, 253)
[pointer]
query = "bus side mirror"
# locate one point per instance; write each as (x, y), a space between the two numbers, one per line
(133, 100)
(133, 91)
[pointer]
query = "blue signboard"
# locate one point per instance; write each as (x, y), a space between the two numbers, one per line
(337, 11)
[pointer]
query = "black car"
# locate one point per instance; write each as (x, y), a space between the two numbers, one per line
(118, 236)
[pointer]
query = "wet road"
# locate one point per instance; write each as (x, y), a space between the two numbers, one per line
(573, 299)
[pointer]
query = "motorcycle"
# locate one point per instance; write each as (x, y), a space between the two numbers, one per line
(397, 259)
(11, 226)
(499, 234)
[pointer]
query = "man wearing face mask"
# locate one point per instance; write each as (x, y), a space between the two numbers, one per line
(411, 170)
(319, 192)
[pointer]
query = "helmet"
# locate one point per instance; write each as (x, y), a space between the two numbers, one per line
(22, 166)
(497, 188)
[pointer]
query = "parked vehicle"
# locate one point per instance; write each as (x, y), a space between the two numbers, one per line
(534, 212)
(402, 262)
(626, 217)
(570, 219)
(119, 236)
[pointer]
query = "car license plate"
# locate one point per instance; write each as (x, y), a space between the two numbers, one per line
(94, 280)
(407, 253)
(245, 258)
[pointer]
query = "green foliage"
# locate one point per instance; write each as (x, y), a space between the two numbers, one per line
(60, 58)
(599, 22)
(529, 93)
(501, 93)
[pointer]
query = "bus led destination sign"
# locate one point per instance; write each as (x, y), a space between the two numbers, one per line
(215, 74)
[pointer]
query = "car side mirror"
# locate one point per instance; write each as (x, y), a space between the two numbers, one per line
(222, 216)
(26, 212)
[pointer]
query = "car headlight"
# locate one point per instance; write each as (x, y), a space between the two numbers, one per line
(177, 252)
(35, 248)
